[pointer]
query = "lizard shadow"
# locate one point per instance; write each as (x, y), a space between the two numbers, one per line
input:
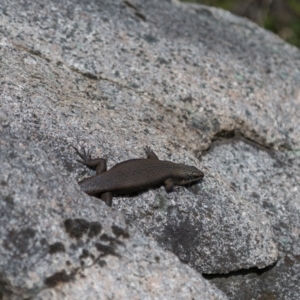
(189, 186)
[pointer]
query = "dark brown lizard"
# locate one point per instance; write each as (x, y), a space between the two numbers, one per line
(134, 175)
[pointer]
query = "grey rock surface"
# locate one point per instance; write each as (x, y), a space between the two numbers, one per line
(271, 180)
(56, 242)
(116, 76)
(209, 227)
(56, 236)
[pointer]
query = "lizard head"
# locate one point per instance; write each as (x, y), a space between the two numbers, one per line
(189, 174)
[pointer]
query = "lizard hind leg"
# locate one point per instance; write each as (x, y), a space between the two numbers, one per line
(93, 163)
(107, 198)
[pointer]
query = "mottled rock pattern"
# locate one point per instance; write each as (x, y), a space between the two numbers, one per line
(271, 180)
(57, 243)
(116, 76)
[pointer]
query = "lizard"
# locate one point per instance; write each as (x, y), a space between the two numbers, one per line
(134, 175)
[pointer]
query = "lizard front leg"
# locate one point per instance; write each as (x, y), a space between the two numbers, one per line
(150, 153)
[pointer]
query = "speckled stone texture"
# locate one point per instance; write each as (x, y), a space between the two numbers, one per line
(53, 236)
(115, 76)
(271, 180)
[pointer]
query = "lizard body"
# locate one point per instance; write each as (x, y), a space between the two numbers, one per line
(135, 175)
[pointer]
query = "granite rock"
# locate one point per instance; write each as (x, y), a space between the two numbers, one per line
(115, 77)
(58, 243)
(270, 179)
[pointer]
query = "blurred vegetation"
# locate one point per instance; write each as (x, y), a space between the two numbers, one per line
(280, 16)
